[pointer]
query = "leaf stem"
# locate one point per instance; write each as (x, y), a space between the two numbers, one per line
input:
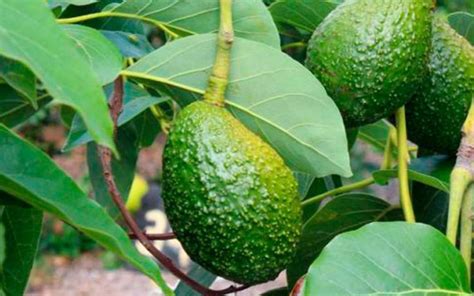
(347, 188)
(219, 78)
(103, 14)
(161, 117)
(145, 76)
(466, 228)
(403, 159)
(299, 44)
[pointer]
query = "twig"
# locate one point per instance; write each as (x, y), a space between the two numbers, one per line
(155, 236)
(105, 155)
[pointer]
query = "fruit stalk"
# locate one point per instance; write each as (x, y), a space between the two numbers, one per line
(462, 177)
(403, 154)
(219, 78)
(466, 227)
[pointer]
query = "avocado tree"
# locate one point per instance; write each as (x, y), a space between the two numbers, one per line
(261, 102)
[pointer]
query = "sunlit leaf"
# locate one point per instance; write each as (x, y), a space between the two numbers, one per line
(302, 14)
(344, 213)
(29, 33)
(250, 17)
(103, 57)
(392, 258)
(272, 94)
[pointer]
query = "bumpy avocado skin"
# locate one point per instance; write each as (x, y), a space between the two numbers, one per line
(435, 116)
(371, 54)
(230, 199)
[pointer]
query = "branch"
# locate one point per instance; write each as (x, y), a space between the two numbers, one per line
(105, 156)
(462, 176)
(155, 236)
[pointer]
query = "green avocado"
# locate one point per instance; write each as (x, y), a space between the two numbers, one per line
(229, 197)
(435, 116)
(371, 55)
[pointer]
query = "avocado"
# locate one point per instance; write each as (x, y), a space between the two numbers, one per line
(229, 197)
(371, 55)
(436, 114)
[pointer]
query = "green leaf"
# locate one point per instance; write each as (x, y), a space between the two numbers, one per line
(22, 232)
(20, 78)
(375, 134)
(431, 171)
(201, 275)
(302, 14)
(72, 2)
(2, 244)
(352, 137)
(129, 44)
(431, 205)
(251, 18)
(305, 181)
(395, 258)
(30, 175)
(14, 109)
(136, 102)
(309, 186)
(383, 176)
(146, 128)
(463, 23)
(273, 95)
(8, 200)
(101, 54)
(456, 5)
(123, 169)
(2, 247)
(29, 33)
(344, 213)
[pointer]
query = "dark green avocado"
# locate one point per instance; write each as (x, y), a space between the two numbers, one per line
(435, 116)
(230, 198)
(371, 55)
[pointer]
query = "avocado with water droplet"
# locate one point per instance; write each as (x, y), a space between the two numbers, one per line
(371, 55)
(230, 198)
(435, 116)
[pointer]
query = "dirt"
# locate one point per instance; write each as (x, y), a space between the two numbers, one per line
(84, 276)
